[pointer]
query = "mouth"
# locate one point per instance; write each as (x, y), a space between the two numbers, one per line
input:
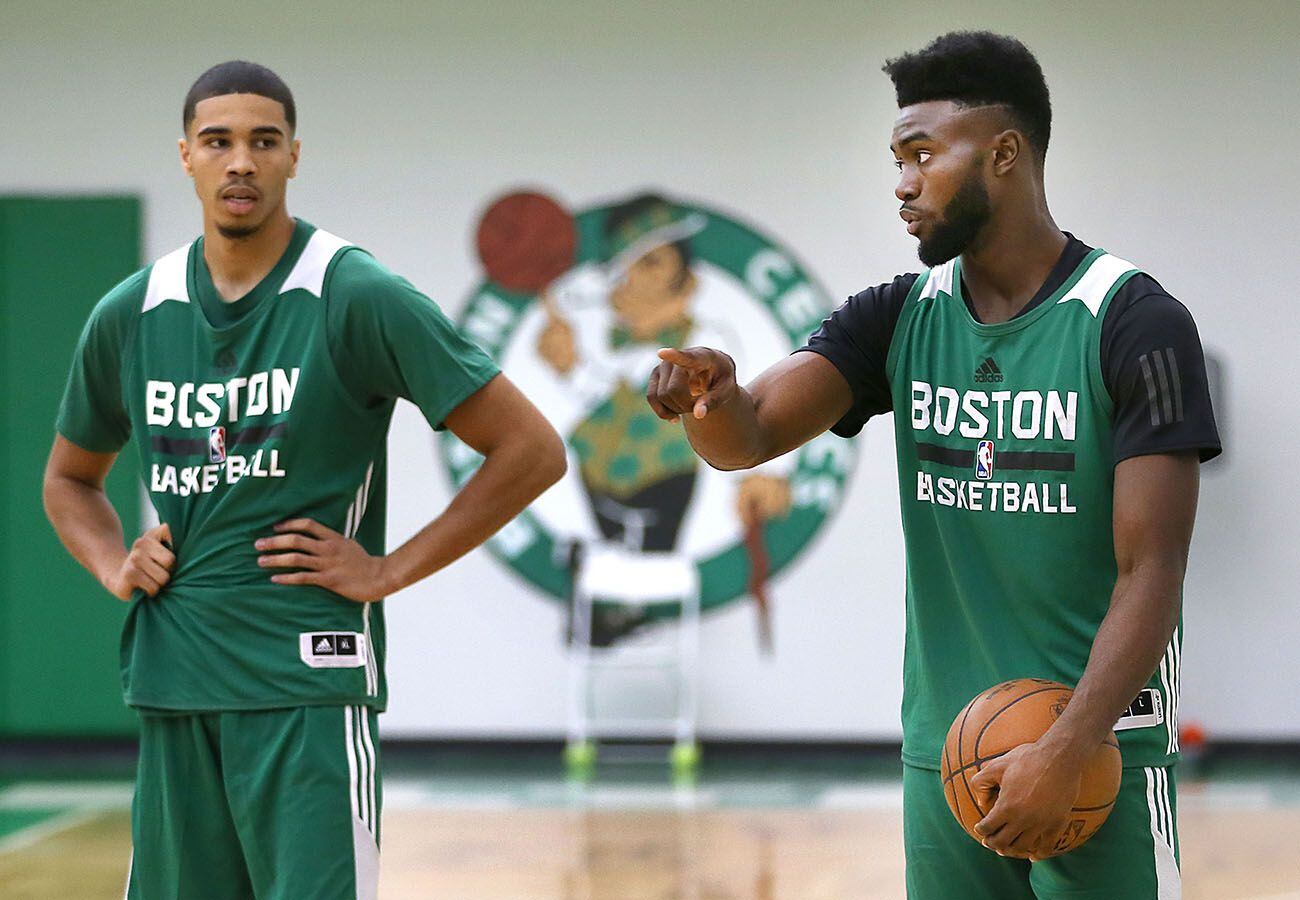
(239, 200)
(912, 218)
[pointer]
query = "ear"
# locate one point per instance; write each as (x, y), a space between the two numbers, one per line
(1009, 148)
(184, 147)
(294, 150)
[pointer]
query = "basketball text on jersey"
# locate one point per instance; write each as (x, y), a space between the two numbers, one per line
(202, 406)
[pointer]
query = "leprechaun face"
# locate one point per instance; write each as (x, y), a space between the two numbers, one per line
(654, 293)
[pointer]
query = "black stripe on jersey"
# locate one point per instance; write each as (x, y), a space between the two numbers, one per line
(1164, 386)
(1041, 460)
(194, 446)
(962, 459)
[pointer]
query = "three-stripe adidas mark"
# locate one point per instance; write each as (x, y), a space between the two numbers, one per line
(1164, 386)
(988, 371)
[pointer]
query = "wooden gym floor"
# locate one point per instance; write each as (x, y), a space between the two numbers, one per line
(738, 834)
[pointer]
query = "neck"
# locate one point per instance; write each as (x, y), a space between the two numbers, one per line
(1010, 260)
(238, 264)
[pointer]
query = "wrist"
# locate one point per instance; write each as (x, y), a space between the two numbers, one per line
(108, 574)
(388, 579)
(1069, 745)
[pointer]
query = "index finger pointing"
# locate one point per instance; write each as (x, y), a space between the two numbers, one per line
(687, 359)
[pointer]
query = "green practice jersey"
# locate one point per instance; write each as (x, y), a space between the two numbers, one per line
(245, 414)
(1006, 471)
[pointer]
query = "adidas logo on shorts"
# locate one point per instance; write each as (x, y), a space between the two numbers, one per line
(333, 649)
(988, 371)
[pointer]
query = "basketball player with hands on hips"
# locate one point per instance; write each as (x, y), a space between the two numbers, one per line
(1050, 413)
(257, 368)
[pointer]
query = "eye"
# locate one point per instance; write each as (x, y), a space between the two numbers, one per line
(898, 164)
(218, 143)
(266, 144)
(923, 156)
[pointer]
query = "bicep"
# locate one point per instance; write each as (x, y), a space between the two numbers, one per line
(797, 399)
(1154, 510)
(69, 461)
(495, 413)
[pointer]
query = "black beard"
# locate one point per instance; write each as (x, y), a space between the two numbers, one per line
(960, 223)
(237, 232)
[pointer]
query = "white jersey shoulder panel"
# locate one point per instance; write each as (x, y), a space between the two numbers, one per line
(168, 279)
(1092, 288)
(309, 272)
(938, 281)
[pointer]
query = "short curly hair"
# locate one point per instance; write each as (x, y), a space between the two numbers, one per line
(978, 68)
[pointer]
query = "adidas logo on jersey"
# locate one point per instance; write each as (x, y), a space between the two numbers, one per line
(988, 371)
(323, 645)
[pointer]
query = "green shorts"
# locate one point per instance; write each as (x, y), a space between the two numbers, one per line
(1134, 856)
(278, 804)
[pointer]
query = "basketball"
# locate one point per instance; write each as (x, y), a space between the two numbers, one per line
(525, 241)
(1004, 717)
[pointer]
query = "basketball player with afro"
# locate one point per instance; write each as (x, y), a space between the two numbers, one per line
(257, 368)
(1050, 412)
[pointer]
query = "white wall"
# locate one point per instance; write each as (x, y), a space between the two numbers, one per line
(1171, 146)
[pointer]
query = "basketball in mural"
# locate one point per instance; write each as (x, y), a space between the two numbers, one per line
(573, 306)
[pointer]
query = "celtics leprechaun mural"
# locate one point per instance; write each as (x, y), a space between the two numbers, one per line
(573, 307)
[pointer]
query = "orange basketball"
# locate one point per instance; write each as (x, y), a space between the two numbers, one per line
(525, 241)
(1004, 717)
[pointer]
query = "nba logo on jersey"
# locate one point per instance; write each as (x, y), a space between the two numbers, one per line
(217, 444)
(984, 460)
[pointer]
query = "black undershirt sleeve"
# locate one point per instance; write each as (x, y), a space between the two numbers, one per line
(855, 338)
(1154, 368)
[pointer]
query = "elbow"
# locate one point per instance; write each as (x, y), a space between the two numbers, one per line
(729, 465)
(49, 493)
(552, 460)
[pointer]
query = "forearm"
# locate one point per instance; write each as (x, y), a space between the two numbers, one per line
(1144, 611)
(87, 524)
(511, 477)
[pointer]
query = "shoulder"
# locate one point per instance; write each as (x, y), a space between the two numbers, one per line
(1142, 304)
(356, 272)
(118, 309)
(888, 296)
(875, 311)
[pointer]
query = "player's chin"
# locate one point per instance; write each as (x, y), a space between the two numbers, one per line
(235, 227)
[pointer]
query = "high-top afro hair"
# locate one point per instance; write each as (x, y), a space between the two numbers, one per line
(978, 68)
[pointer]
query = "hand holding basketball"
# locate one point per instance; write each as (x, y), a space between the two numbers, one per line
(556, 344)
(693, 380)
(1031, 792)
(1015, 793)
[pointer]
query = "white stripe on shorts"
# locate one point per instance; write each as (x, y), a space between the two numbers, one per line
(350, 746)
(361, 793)
(1169, 884)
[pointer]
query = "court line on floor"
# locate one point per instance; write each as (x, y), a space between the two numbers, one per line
(61, 795)
(35, 833)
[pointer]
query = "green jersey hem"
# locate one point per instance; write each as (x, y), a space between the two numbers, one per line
(145, 706)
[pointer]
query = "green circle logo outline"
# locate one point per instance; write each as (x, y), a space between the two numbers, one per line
(776, 281)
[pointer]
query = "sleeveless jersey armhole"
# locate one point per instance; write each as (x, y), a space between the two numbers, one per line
(904, 323)
(1095, 370)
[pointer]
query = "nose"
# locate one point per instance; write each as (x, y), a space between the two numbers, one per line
(909, 184)
(240, 161)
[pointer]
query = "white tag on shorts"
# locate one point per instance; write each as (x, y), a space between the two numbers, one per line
(332, 649)
(1146, 710)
